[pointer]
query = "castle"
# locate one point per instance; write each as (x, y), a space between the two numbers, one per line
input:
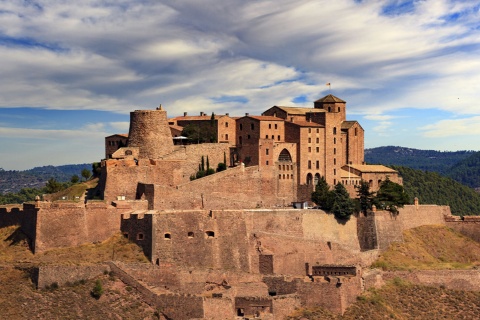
(230, 245)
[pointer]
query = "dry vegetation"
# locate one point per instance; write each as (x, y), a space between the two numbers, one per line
(403, 300)
(431, 247)
(14, 249)
(20, 300)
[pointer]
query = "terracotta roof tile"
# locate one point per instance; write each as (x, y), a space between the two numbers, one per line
(330, 98)
(371, 168)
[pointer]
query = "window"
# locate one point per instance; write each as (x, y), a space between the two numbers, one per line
(266, 151)
(318, 130)
(191, 234)
(273, 137)
(285, 156)
(355, 131)
(226, 136)
(334, 140)
(210, 234)
(125, 235)
(140, 236)
(266, 136)
(226, 124)
(309, 130)
(334, 172)
(317, 164)
(241, 127)
(248, 136)
(334, 150)
(309, 149)
(252, 126)
(334, 161)
(334, 130)
(318, 140)
(275, 126)
(309, 164)
(266, 163)
(278, 138)
(269, 126)
(309, 178)
(167, 236)
(309, 140)
(318, 149)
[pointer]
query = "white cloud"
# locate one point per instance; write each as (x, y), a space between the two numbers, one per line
(453, 127)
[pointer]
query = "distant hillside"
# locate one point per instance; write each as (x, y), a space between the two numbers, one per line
(427, 160)
(432, 188)
(467, 171)
(13, 180)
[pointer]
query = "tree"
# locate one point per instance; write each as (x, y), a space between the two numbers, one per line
(365, 196)
(391, 196)
(74, 179)
(343, 206)
(86, 174)
(322, 195)
(53, 186)
(97, 169)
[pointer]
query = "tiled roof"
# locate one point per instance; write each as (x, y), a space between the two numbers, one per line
(299, 111)
(265, 118)
(305, 124)
(348, 124)
(346, 174)
(371, 168)
(125, 135)
(179, 128)
(330, 98)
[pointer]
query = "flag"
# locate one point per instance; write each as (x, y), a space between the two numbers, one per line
(328, 84)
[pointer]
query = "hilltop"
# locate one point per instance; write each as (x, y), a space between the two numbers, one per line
(14, 180)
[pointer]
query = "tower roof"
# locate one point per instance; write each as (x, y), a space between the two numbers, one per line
(330, 98)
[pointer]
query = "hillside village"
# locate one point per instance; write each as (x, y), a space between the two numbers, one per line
(230, 245)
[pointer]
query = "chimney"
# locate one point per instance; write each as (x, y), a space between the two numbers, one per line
(246, 114)
(227, 114)
(201, 113)
(184, 114)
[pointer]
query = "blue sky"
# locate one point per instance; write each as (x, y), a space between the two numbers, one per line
(71, 71)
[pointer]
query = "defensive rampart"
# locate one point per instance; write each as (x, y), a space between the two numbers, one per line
(468, 225)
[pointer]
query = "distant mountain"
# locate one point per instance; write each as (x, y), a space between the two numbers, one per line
(467, 171)
(432, 188)
(14, 180)
(426, 160)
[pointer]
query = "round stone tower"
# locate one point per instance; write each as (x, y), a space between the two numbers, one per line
(149, 131)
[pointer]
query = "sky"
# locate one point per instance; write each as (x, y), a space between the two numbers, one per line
(72, 71)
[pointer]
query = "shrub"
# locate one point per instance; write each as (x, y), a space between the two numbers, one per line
(97, 290)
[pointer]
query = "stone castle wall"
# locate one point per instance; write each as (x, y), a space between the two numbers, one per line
(47, 275)
(468, 226)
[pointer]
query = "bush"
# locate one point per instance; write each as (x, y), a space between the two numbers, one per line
(97, 290)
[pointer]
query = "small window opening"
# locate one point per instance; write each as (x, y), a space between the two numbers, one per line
(167, 236)
(125, 235)
(191, 234)
(140, 236)
(210, 234)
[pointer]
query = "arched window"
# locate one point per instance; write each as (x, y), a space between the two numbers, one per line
(316, 179)
(128, 152)
(285, 156)
(309, 178)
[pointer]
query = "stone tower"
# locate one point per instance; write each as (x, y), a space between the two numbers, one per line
(149, 131)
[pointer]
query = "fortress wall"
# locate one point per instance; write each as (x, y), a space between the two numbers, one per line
(153, 275)
(10, 215)
(174, 306)
(388, 228)
(203, 239)
(138, 229)
(466, 280)
(122, 176)
(71, 224)
(67, 274)
(218, 308)
(469, 227)
(415, 216)
(283, 306)
(367, 231)
(235, 188)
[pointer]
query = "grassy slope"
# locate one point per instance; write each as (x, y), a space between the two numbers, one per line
(20, 300)
(431, 247)
(427, 247)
